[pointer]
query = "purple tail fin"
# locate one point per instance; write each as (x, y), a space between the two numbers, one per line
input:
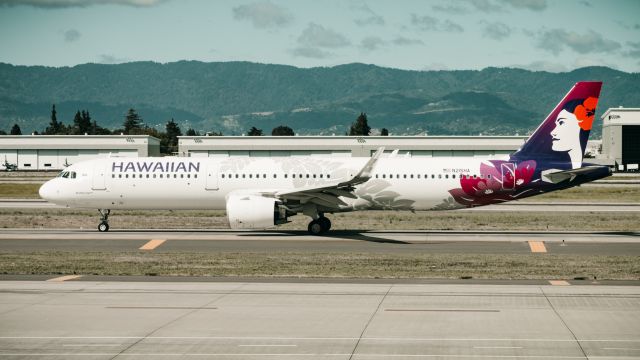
(562, 136)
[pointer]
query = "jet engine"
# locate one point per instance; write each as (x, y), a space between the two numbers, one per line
(254, 212)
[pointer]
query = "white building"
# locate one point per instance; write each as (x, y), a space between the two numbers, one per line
(215, 146)
(621, 137)
(54, 152)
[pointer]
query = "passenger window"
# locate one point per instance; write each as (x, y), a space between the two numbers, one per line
(307, 176)
(126, 176)
(275, 176)
(321, 176)
(489, 176)
(120, 175)
(328, 176)
(113, 175)
(453, 176)
(236, 176)
(195, 176)
(154, 176)
(243, 176)
(474, 176)
(439, 176)
(404, 176)
(223, 176)
(250, 176)
(160, 176)
(286, 176)
(384, 176)
(446, 176)
(181, 176)
(314, 176)
(412, 176)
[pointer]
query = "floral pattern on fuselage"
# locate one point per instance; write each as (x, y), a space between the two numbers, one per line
(499, 181)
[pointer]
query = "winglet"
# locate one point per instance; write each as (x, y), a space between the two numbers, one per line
(365, 173)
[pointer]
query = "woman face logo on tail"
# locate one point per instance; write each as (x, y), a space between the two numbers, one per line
(576, 117)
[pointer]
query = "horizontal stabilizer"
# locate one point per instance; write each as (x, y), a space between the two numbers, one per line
(556, 176)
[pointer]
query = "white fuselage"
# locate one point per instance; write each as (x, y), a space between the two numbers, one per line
(204, 183)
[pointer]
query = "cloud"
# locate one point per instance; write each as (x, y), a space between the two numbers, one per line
(371, 43)
(636, 27)
(490, 6)
(450, 9)
(496, 31)
(372, 17)
(263, 15)
(585, 3)
(403, 41)
(428, 23)
(634, 52)
(318, 36)
(542, 65)
(485, 6)
(435, 66)
(533, 5)
(52, 4)
(556, 40)
(71, 35)
(110, 59)
(310, 52)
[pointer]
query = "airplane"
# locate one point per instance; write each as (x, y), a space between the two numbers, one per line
(260, 193)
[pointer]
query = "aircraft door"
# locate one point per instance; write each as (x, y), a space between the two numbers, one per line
(211, 174)
(508, 176)
(98, 180)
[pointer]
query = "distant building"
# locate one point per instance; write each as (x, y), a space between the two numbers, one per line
(621, 137)
(55, 152)
(356, 146)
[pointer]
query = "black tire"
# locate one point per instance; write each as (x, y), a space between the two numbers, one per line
(315, 228)
(325, 223)
(103, 227)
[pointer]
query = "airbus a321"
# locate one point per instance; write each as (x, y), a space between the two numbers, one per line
(259, 193)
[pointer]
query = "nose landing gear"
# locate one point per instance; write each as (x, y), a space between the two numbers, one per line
(104, 220)
(319, 225)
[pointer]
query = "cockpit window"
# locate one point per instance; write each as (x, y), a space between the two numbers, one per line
(67, 174)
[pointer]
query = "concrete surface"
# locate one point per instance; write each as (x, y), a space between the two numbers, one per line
(319, 321)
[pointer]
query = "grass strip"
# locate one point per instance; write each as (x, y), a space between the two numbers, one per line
(327, 265)
(360, 220)
(19, 191)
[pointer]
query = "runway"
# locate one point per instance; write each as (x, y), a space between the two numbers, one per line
(473, 242)
(232, 320)
(511, 206)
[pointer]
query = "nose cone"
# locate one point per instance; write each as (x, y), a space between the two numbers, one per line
(46, 191)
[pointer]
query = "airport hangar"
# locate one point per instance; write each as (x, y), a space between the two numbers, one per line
(619, 146)
(55, 152)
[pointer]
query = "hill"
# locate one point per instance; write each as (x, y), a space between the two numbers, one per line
(233, 96)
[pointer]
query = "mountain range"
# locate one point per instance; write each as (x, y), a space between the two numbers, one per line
(231, 97)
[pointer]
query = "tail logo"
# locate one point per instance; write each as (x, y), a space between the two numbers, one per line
(575, 118)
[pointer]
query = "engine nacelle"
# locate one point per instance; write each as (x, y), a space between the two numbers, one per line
(254, 212)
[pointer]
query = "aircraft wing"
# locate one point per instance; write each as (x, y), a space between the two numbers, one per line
(329, 194)
(556, 176)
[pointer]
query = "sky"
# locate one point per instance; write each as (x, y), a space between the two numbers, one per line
(549, 35)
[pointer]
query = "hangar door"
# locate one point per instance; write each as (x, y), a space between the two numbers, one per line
(630, 144)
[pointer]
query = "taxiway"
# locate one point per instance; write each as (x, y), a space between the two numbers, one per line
(231, 320)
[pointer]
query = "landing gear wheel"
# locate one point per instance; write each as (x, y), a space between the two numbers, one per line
(103, 227)
(315, 228)
(325, 223)
(104, 220)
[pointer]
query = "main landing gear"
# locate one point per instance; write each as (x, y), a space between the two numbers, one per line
(104, 220)
(319, 225)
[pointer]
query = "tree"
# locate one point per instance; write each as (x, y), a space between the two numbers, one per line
(169, 140)
(254, 131)
(132, 122)
(191, 132)
(15, 130)
(82, 123)
(54, 127)
(384, 132)
(360, 127)
(282, 131)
